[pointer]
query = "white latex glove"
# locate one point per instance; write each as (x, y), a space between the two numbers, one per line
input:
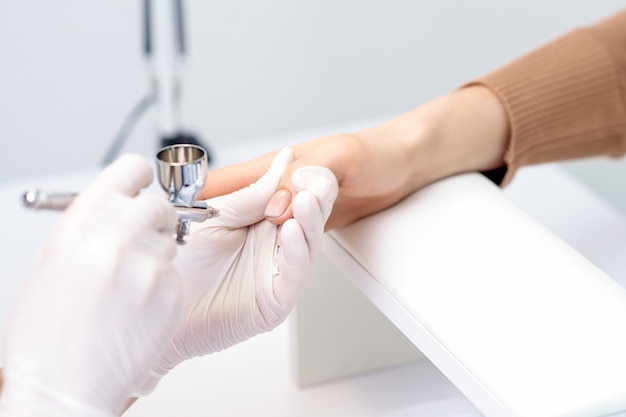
(241, 274)
(102, 304)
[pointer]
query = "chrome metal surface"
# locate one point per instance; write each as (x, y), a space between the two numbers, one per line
(36, 198)
(181, 170)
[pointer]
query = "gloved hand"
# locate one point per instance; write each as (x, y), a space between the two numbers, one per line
(241, 274)
(101, 305)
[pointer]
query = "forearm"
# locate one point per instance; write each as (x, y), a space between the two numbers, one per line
(562, 101)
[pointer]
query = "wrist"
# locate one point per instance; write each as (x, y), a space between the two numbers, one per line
(464, 131)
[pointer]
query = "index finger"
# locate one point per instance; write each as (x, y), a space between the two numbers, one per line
(126, 175)
(231, 178)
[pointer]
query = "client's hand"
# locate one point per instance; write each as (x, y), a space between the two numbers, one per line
(376, 167)
(372, 174)
(101, 305)
(242, 275)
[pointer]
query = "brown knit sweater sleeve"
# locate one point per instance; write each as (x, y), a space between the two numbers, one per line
(566, 99)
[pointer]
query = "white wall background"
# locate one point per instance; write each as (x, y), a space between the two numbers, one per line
(71, 69)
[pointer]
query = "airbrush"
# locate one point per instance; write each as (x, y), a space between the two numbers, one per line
(181, 171)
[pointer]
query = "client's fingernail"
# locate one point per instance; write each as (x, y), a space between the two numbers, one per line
(278, 204)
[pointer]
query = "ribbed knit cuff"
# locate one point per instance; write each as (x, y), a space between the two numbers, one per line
(565, 100)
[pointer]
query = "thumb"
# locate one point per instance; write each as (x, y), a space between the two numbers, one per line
(126, 175)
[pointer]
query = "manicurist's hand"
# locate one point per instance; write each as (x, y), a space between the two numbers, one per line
(242, 275)
(101, 305)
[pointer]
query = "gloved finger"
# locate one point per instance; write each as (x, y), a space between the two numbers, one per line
(313, 204)
(293, 263)
(153, 212)
(153, 220)
(247, 206)
(319, 181)
(280, 207)
(126, 175)
(308, 213)
(300, 238)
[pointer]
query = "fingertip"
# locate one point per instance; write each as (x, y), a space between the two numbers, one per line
(316, 179)
(269, 182)
(137, 169)
(320, 182)
(154, 213)
(128, 174)
(307, 211)
(284, 157)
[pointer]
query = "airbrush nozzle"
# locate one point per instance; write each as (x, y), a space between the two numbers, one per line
(36, 198)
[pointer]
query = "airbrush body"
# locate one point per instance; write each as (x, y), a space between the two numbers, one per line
(181, 171)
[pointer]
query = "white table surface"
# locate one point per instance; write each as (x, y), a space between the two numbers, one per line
(522, 323)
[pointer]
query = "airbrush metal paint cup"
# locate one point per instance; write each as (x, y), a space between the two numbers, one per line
(182, 170)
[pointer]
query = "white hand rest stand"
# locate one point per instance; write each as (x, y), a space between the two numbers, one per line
(519, 321)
